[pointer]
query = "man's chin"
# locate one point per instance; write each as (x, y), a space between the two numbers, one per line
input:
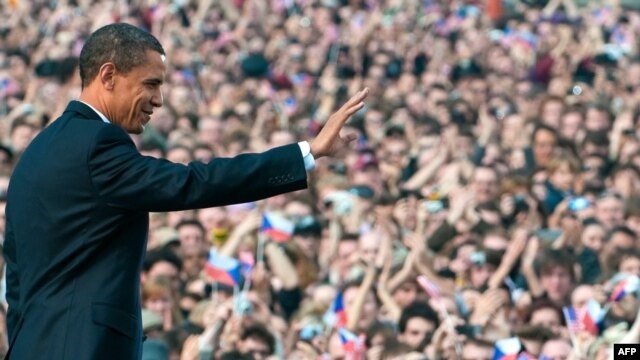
(136, 131)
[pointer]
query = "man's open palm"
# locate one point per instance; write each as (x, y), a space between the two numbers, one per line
(328, 142)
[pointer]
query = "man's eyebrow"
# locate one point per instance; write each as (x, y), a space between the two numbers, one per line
(154, 81)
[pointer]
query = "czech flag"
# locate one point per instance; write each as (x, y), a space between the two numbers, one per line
(277, 227)
(336, 316)
(507, 349)
(352, 344)
(626, 286)
(223, 269)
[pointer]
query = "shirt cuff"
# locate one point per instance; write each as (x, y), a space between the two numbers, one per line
(309, 161)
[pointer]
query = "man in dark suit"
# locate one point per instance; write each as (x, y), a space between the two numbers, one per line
(78, 203)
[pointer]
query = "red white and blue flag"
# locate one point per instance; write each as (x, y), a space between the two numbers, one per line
(223, 269)
(352, 344)
(277, 227)
(507, 349)
(336, 316)
(588, 318)
(626, 286)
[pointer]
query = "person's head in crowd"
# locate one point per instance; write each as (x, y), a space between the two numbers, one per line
(417, 323)
(597, 118)
(557, 274)
(511, 130)
(572, 123)
(153, 149)
(477, 349)
(257, 341)
(180, 154)
(595, 142)
(164, 120)
(210, 131)
(190, 233)
(610, 209)
(21, 134)
(215, 222)
(593, 169)
(394, 149)
(378, 334)
(374, 120)
(562, 170)
(368, 244)
(551, 110)
(627, 261)
(307, 234)
(194, 257)
(158, 297)
(546, 313)
(406, 293)
(396, 350)
(299, 207)
(347, 248)
(593, 235)
(544, 144)
(161, 263)
(581, 295)
(625, 180)
(175, 217)
(203, 153)
(556, 349)
(485, 184)
(281, 137)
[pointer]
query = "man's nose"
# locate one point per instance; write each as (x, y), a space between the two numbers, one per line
(157, 99)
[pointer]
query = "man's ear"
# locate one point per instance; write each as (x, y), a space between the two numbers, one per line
(106, 75)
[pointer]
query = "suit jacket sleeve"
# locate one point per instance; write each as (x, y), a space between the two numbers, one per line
(123, 178)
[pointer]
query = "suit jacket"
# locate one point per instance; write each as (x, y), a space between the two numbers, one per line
(77, 223)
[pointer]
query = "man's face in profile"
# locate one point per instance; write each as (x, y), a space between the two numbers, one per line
(137, 92)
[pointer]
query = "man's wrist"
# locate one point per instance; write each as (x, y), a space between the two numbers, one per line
(307, 155)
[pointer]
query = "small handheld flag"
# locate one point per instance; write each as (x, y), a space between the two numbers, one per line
(223, 269)
(277, 227)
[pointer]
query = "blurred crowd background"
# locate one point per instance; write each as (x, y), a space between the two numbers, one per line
(492, 194)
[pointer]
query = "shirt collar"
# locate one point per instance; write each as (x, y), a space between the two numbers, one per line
(104, 118)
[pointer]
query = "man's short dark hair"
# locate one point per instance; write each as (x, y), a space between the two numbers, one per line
(191, 222)
(543, 127)
(260, 332)
(417, 309)
(155, 256)
(122, 44)
(553, 258)
(622, 229)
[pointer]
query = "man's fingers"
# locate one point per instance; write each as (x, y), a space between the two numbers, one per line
(356, 102)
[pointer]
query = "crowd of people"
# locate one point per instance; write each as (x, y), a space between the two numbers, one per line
(492, 195)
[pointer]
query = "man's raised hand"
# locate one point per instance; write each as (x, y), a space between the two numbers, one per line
(328, 142)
